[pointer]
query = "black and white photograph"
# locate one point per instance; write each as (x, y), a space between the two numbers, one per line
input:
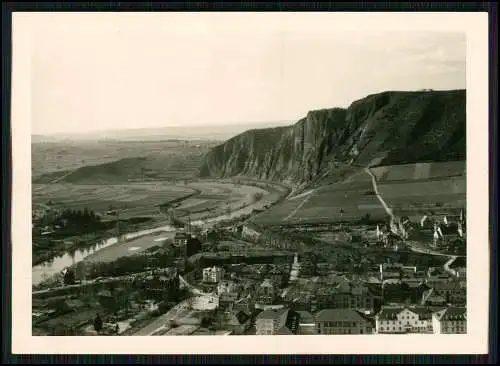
(222, 175)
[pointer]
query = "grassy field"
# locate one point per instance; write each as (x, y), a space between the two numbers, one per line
(419, 188)
(356, 201)
(324, 204)
(420, 171)
(219, 198)
(133, 200)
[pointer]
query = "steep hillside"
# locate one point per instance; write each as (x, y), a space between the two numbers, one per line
(382, 129)
(129, 169)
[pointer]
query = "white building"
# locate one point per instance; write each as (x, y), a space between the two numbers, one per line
(269, 322)
(226, 287)
(213, 274)
(403, 319)
(452, 320)
(249, 233)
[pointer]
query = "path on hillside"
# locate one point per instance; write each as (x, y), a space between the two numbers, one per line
(387, 209)
(304, 201)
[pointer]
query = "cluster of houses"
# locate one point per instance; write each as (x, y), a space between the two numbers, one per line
(391, 299)
(417, 302)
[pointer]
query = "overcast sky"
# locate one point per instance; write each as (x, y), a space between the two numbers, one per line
(93, 73)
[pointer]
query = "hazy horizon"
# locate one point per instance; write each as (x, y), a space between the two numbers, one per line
(93, 73)
(175, 127)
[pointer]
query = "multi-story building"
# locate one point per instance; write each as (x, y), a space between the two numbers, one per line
(180, 238)
(452, 320)
(403, 319)
(341, 297)
(228, 292)
(213, 274)
(266, 293)
(270, 321)
(451, 291)
(164, 285)
(342, 321)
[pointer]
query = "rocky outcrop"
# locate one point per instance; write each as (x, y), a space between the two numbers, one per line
(386, 128)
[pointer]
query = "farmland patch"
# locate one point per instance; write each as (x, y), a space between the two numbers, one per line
(338, 202)
(422, 171)
(132, 199)
(424, 188)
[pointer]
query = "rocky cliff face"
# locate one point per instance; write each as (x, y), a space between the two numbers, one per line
(387, 128)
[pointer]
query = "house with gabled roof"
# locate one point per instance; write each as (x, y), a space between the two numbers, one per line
(452, 292)
(403, 319)
(342, 321)
(451, 320)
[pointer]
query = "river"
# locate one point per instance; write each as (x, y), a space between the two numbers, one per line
(48, 269)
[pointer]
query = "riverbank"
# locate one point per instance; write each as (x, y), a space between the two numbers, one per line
(85, 242)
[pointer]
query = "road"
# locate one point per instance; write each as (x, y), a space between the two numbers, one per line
(447, 265)
(387, 209)
(294, 272)
(191, 288)
(304, 201)
(162, 321)
(416, 248)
